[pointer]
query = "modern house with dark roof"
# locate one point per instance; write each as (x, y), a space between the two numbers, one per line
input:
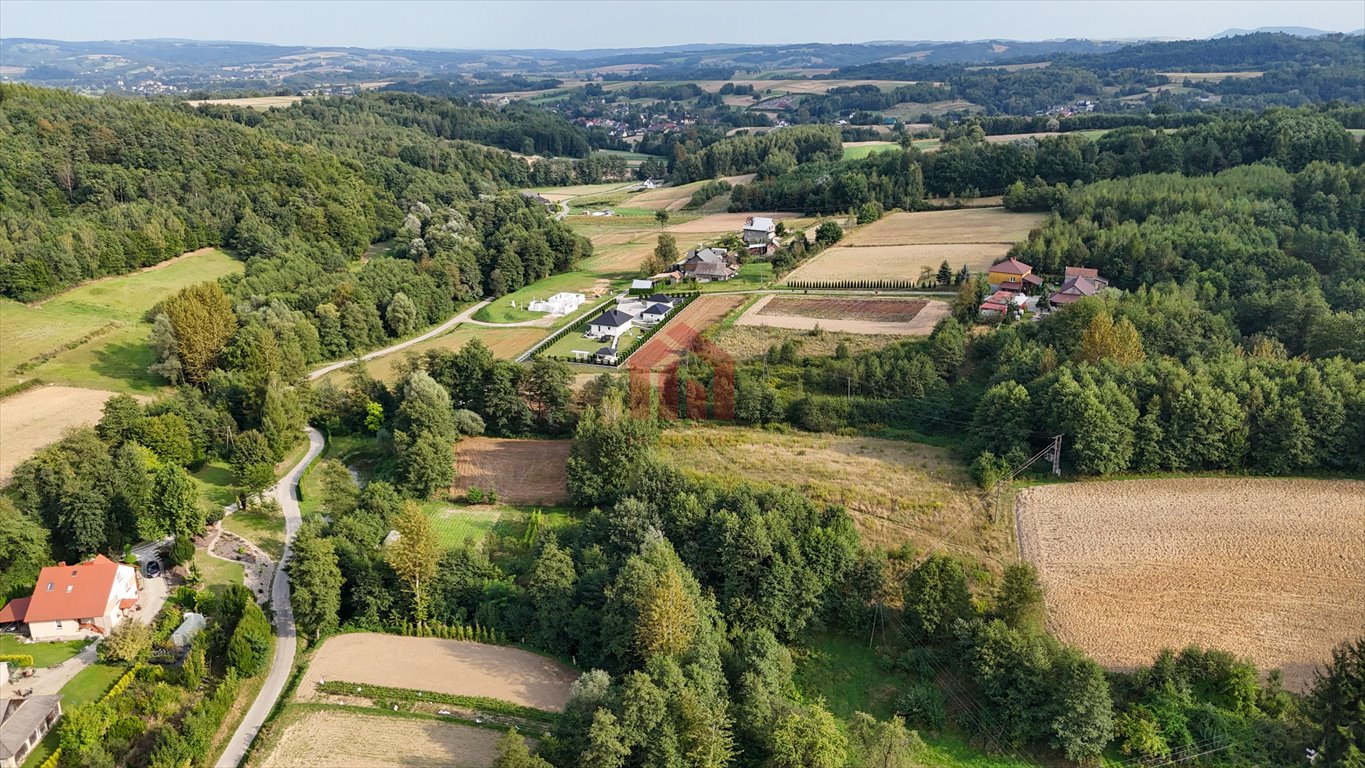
(610, 324)
(69, 600)
(655, 313)
(23, 723)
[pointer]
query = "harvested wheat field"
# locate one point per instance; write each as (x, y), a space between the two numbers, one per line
(674, 198)
(1268, 569)
(444, 666)
(896, 491)
(895, 262)
(320, 738)
(668, 345)
(724, 222)
(522, 471)
(252, 102)
(965, 225)
(873, 316)
(38, 417)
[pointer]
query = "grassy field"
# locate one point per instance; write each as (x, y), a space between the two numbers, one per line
(502, 311)
(95, 335)
(752, 276)
(261, 528)
(217, 573)
(851, 678)
(570, 342)
(456, 526)
(854, 150)
(44, 654)
(506, 343)
(215, 483)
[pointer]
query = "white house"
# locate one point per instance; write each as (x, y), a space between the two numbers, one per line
(71, 599)
(760, 233)
(610, 324)
(655, 313)
(558, 304)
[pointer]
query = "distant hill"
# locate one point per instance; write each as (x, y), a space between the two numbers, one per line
(1299, 31)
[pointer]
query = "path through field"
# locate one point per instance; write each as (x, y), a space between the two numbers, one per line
(1268, 569)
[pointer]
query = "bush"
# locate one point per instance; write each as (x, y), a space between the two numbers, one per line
(181, 551)
(130, 641)
(921, 704)
(249, 648)
(17, 659)
(468, 422)
(474, 495)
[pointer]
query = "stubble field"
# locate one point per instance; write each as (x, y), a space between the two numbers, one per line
(522, 471)
(322, 738)
(38, 417)
(444, 666)
(1268, 569)
(900, 245)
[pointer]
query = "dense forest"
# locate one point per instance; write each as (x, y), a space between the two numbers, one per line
(95, 187)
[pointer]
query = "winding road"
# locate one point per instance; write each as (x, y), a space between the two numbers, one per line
(433, 333)
(286, 493)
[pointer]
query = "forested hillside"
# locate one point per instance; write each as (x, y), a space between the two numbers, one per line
(94, 187)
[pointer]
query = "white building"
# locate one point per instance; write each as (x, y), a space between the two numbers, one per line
(558, 304)
(611, 323)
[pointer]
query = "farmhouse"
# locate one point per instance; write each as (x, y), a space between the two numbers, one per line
(71, 599)
(558, 304)
(539, 198)
(706, 265)
(760, 234)
(1012, 275)
(610, 324)
(23, 723)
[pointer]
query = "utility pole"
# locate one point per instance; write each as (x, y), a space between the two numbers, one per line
(1057, 455)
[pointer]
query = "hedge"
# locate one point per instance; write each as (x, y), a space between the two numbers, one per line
(685, 299)
(480, 703)
(474, 634)
(123, 682)
(52, 759)
(17, 659)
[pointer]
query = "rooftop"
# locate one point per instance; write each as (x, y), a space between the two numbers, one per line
(613, 318)
(1011, 266)
(73, 591)
(19, 718)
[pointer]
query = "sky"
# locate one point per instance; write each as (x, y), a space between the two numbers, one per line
(581, 24)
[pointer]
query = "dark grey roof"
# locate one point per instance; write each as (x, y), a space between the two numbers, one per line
(658, 309)
(659, 298)
(707, 255)
(613, 318)
(606, 352)
(22, 720)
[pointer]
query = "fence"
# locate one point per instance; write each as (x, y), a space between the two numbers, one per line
(683, 300)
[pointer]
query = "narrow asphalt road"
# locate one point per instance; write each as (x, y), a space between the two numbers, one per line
(434, 332)
(286, 493)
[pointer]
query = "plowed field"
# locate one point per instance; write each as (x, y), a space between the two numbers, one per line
(678, 336)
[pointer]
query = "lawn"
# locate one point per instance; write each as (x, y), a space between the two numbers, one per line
(217, 573)
(850, 677)
(103, 324)
(752, 276)
(573, 341)
(44, 654)
(501, 310)
(856, 150)
(456, 526)
(216, 485)
(262, 528)
(89, 684)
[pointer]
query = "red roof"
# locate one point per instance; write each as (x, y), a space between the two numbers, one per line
(127, 603)
(1033, 279)
(73, 591)
(1011, 266)
(14, 610)
(1082, 272)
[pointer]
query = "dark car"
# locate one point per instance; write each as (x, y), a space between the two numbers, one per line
(151, 569)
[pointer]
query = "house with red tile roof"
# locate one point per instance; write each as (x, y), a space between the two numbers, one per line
(1012, 275)
(71, 600)
(1079, 283)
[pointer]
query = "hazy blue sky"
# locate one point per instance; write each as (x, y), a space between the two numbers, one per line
(576, 24)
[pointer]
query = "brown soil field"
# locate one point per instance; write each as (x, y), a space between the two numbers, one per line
(746, 342)
(522, 471)
(896, 317)
(896, 262)
(1271, 570)
(444, 666)
(678, 336)
(723, 222)
(896, 491)
(965, 225)
(335, 739)
(38, 417)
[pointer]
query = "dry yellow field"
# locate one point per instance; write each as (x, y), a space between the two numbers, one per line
(505, 343)
(896, 491)
(253, 102)
(723, 222)
(443, 666)
(746, 342)
(1272, 570)
(965, 225)
(337, 739)
(900, 245)
(896, 262)
(39, 417)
